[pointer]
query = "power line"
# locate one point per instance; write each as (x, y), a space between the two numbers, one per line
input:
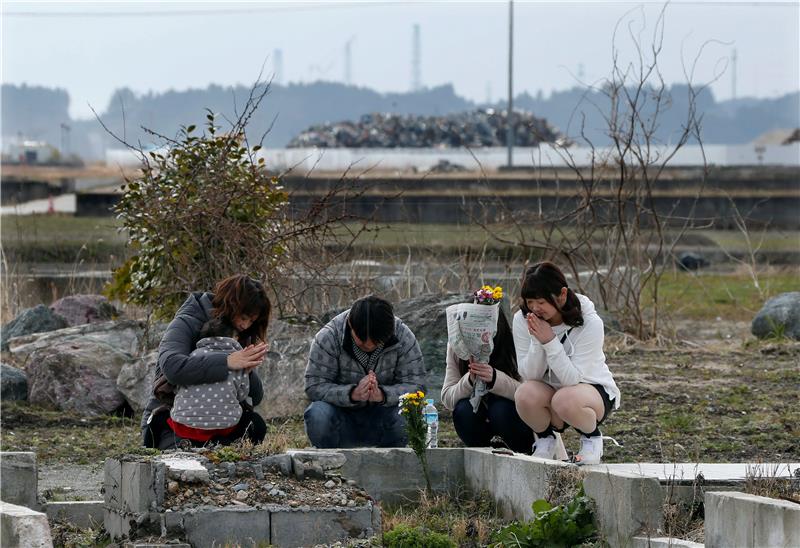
(185, 13)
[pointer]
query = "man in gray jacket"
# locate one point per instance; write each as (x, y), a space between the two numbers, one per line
(359, 365)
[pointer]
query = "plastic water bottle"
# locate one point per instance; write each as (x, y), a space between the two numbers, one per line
(432, 419)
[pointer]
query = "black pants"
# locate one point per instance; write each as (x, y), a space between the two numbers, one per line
(496, 416)
(251, 425)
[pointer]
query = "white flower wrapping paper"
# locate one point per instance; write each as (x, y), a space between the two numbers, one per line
(470, 332)
(471, 329)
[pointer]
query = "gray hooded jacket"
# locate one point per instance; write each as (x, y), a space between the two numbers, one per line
(333, 371)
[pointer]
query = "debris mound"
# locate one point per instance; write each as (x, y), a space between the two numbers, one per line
(474, 129)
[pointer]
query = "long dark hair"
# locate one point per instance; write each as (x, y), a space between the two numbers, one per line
(242, 295)
(545, 280)
(504, 357)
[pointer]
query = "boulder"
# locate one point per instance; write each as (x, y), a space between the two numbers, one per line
(125, 336)
(779, 316)
(77, 375)
(31, 320)
(425, 316)
(135, 380)
(82, 309)
(283, 372)
(14, 383)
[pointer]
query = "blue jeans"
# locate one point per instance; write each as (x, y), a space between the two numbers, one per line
(331, 426)
(496, 416)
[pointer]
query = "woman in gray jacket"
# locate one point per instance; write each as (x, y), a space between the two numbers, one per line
(239, 300)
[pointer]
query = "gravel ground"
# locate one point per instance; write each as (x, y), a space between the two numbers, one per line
(70, 481)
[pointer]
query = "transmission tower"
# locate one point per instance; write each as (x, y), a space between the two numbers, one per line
(733, 74)
(277, 64)
(416, 61)
(348, 61)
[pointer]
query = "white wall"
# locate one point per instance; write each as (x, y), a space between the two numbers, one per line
(339, 159)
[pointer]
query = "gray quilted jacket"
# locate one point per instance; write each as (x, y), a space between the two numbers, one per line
(175, 357)
(333, 371)
(212, 405)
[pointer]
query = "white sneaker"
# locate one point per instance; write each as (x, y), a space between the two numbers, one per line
(545, 448)
(591, 450)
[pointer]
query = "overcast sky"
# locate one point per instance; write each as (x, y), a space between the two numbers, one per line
(90, 49)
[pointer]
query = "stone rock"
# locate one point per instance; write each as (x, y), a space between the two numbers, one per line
(31, 320)
(83, 309)
(284, 369)
(779, 315)
(425, 316)
(326, 460)
(125, 336)
(135, 380)
(14, 383)
(77, 375)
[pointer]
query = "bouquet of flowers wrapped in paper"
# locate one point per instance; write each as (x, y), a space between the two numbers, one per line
(471, 328)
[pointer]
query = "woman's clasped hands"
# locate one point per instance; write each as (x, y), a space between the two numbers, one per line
(482, 371)
(540, 329)
(248, 358)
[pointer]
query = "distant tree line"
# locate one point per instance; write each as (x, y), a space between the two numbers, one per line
(39, 112)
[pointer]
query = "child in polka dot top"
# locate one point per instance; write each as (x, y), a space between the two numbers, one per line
(209, 410)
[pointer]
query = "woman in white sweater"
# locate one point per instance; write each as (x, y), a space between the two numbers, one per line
(496, 414)
(558, 337)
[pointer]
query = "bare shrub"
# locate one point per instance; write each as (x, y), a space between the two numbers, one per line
(603, 222)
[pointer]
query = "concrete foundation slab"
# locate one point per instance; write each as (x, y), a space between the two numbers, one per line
(23, 527)
(20, 479)
(214, 527)
(707, 473)
(395, 475)
(663, 542)
(514, 481)
(313, 526)
(739, 519)
(155, 545)
(83, 513)
(625, 504)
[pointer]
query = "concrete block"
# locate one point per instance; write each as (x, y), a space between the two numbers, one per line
(313, 526)
(117, 523)
(233, 526)
(184, 467)
(514, 481)
(278, 463)
(83, 513)
(395, 475)
(739, 519)
(23, 527)
(625, 504)
(663, 542)
(155, 545)
(142, 487)
(112, 483)
(20, 480)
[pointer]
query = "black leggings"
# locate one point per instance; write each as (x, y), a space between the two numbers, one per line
(496, 416)
(251, 425)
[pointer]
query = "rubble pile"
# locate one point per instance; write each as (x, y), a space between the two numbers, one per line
(260, 482)
(474, 129)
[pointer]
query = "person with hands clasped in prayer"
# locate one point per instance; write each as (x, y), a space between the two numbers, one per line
(242, 303)
(358, 366)
(558, 337)
(495, 414)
